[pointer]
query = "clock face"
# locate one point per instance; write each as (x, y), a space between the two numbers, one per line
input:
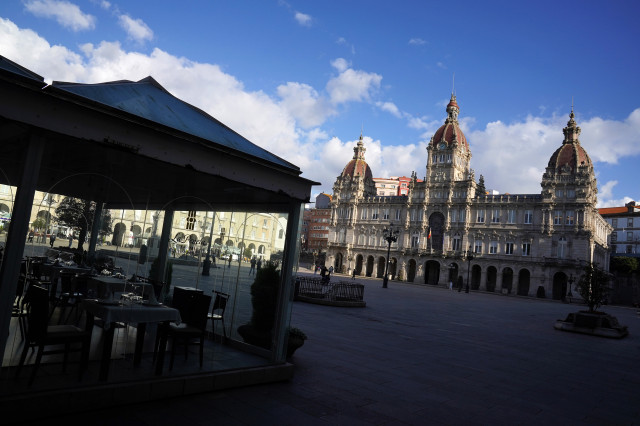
(442, 145)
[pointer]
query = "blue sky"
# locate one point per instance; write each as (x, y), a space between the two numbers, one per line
(304, 78)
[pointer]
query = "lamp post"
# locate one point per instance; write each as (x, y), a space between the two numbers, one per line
(469, 259)
(452, 267)
(569, 294)
(391, 236)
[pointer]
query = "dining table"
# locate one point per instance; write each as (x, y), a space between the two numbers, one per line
(114, 312)
(105, 286)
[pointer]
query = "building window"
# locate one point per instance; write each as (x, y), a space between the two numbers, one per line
(614, 223)
(557, 218)
(374, 214)
(559, 193)
(372, 240)
(480, 216)
(385, 214)
(463, 215)
(629, 236)
(457, 243)
(571, 193)
(363, 214)
(398, 214)
(526, 249)
(614, 236)
(495, 216)
(511, 216)
(629, 249)
(361, 239)
(508, 248)
(478, 247)
(630, 222)
(415, 240)
(493, 247)
(570, 218)
(562, 247)
(454, 215)
(528, 217)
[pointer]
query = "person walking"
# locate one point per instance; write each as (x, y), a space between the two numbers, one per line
(253, 266)
(52, 239)
(70, 240)
(450, 285)
(353, 274)
(259, 264)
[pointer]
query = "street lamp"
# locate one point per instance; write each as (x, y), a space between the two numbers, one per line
(469, 259)
(391, 236)
(569, 294)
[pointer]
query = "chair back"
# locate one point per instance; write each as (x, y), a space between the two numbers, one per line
(37, 302)
(220, 302)
(66, 282)
(195, 313)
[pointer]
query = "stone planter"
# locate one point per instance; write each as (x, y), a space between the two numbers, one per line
(594, 323)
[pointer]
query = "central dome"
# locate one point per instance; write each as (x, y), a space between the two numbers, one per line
(571, 155)
(450, 132)
(357, 166)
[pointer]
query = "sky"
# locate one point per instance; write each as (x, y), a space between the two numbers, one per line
(304, 79)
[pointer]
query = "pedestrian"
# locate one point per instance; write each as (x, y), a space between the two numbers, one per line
(230, 256)
(52, 239)
(30, 240)
(353, 274)
(451, 285)
(70, 240)
(330, 270)
(259, 264)
(253, 266)
(315, 269)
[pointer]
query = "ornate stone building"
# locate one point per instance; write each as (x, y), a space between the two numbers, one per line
(511, 243)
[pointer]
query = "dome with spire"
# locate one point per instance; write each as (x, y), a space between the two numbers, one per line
(357, 167)
(571, 155)
(450, 131)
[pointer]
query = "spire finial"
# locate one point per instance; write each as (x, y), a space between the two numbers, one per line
(453, 85)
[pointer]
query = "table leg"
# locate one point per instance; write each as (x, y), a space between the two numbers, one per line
(162, 329)
(106, 352)
(137, 355)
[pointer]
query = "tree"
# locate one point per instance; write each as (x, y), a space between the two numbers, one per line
(480, 189)
(593, 286)
(79, 214)
(38, 224)
(624, 265)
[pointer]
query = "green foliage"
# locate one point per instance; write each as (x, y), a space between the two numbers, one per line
(247, 253)
(624, 265)
(593, 286)
(264, 296)
(39, 223)
(481, 190)
(69, 212)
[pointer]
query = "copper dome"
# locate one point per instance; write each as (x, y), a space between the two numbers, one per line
(450, 131)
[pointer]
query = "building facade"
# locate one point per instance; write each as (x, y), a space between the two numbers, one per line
(625, 221)
(528, 244)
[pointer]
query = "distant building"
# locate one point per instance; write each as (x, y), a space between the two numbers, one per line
(527, 244)
(394, 185)
(625, 221)
(319, 218)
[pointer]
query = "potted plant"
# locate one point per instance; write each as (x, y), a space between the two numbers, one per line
(264, 298)
(593, 286)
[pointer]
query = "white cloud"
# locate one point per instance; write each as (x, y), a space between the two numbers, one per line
(351, 85)
(340, 64)
(305, 104)
(303, 19)
(389, 107)
(66, 14)
(105, 5)
(136, 29)
(417, 41)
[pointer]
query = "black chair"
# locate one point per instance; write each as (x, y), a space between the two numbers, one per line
(41, 335)
(217, 311)
(72, 292)
(194, 308)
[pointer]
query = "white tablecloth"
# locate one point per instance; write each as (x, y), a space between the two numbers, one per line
(104, 286)
(130, 314)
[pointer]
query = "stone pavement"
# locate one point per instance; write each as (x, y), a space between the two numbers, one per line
(419, 355)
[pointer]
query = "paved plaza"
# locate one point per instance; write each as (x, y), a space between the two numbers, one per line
(420, 355)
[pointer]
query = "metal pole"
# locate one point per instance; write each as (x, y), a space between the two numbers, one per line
(385, 279)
